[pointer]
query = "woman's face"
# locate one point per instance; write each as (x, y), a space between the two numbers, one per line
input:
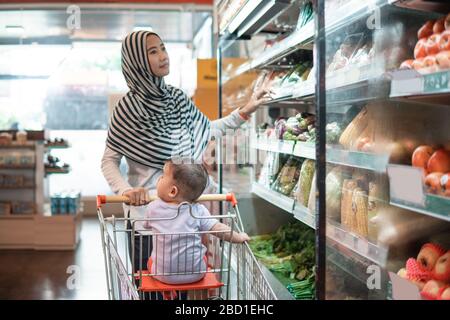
(157, 56)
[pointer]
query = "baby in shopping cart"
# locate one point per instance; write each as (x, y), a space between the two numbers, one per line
(177, 237)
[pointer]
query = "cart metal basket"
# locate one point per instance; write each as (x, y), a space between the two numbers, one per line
(229, 271)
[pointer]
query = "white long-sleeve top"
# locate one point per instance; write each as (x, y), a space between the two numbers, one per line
(143, 176)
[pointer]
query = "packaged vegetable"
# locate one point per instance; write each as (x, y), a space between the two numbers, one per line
(305, 181)
(334, 181)
(288, 176)
(333, 132)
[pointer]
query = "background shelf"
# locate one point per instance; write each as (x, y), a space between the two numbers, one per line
(363, 160)
(357, 244)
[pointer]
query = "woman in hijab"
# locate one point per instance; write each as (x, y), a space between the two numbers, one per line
(155, 121)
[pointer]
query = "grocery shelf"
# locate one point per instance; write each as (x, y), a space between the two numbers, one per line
(299, 39)
(296, 148)
(277, 199)
(302, 92)
(16, 187)
(357, 159)
(435, 206)
(272, 145)
(304, 215)
(432, 87)
(18, 167)
(355, 268)
(357, 244)
(305, 150)
(252, 17)
(28, 145)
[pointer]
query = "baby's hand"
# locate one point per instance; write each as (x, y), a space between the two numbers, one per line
(242, 237)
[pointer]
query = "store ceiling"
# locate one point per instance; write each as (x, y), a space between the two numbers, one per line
(49, 26)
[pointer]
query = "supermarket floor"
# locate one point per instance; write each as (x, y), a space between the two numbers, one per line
(44, 274)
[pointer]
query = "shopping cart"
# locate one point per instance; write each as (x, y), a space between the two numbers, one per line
(130, 276)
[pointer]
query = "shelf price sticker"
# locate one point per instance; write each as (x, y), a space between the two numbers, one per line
(436, 82)
(405, 184)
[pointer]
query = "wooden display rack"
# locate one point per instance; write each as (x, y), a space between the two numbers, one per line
(37, 231)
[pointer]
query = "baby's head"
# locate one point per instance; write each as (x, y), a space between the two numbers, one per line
(182, 180)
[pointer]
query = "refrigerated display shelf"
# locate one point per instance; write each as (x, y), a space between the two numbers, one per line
(14, 145)
(297, 148)
(304, 215)
(16, 187)
(56, 146)
(357, 244)
(277, 199)
(363, 160)
(18, 167)
(252, 17)
(431, 88)
(435, 206)
(289, 205)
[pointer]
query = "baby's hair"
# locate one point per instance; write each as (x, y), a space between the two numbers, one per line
(190, 178)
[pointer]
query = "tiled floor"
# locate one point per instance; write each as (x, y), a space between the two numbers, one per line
(45, 275)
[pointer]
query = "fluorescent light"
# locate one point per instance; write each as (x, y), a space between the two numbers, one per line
(143, 28)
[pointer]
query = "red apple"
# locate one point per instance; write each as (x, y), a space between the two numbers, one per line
(432, 44)
(433, 181)
(444, 41)
(428, 255)
(442, 268)
(439, 25)
(414, 272)
(417, 64)
(443, 59)
(426, 30)
(407, 64)
(421, 156)
(439, 161)
(447, 22)
(445, 295)
(420, 50)
(431, 289)
(430, 63)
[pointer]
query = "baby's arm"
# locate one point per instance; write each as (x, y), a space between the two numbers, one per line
(234, 237)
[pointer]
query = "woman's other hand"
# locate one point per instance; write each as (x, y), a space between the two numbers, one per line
(260, 96)
(137, 196)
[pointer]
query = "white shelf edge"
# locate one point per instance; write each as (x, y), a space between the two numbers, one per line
(304, 215)
(357, 244)
(277, 199)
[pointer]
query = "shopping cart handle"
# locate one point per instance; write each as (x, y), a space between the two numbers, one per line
(230, 197)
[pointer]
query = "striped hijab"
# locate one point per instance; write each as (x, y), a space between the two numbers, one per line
(153, 121)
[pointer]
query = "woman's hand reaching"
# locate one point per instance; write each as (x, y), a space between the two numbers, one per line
(137, 196)
(259, 97)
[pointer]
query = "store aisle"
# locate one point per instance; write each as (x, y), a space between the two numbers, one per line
(26, 274)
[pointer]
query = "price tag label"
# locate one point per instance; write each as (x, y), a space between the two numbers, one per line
(362, 246)
(403, 289)
(405, 184)
(436, 82)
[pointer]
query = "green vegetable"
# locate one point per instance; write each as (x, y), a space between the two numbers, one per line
(333, 132)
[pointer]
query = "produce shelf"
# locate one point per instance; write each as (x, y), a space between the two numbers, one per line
(31, 166)
(252, 17)
(431, 88)
(305, 150)
(14, 145)
(351, 266)
(297, 148)
(300, 39)
(277, 199)
(435, 206)
(16, 187)
(304, 215)
(357, 244)
(300, 93)
(278, 146)
(363, 160)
